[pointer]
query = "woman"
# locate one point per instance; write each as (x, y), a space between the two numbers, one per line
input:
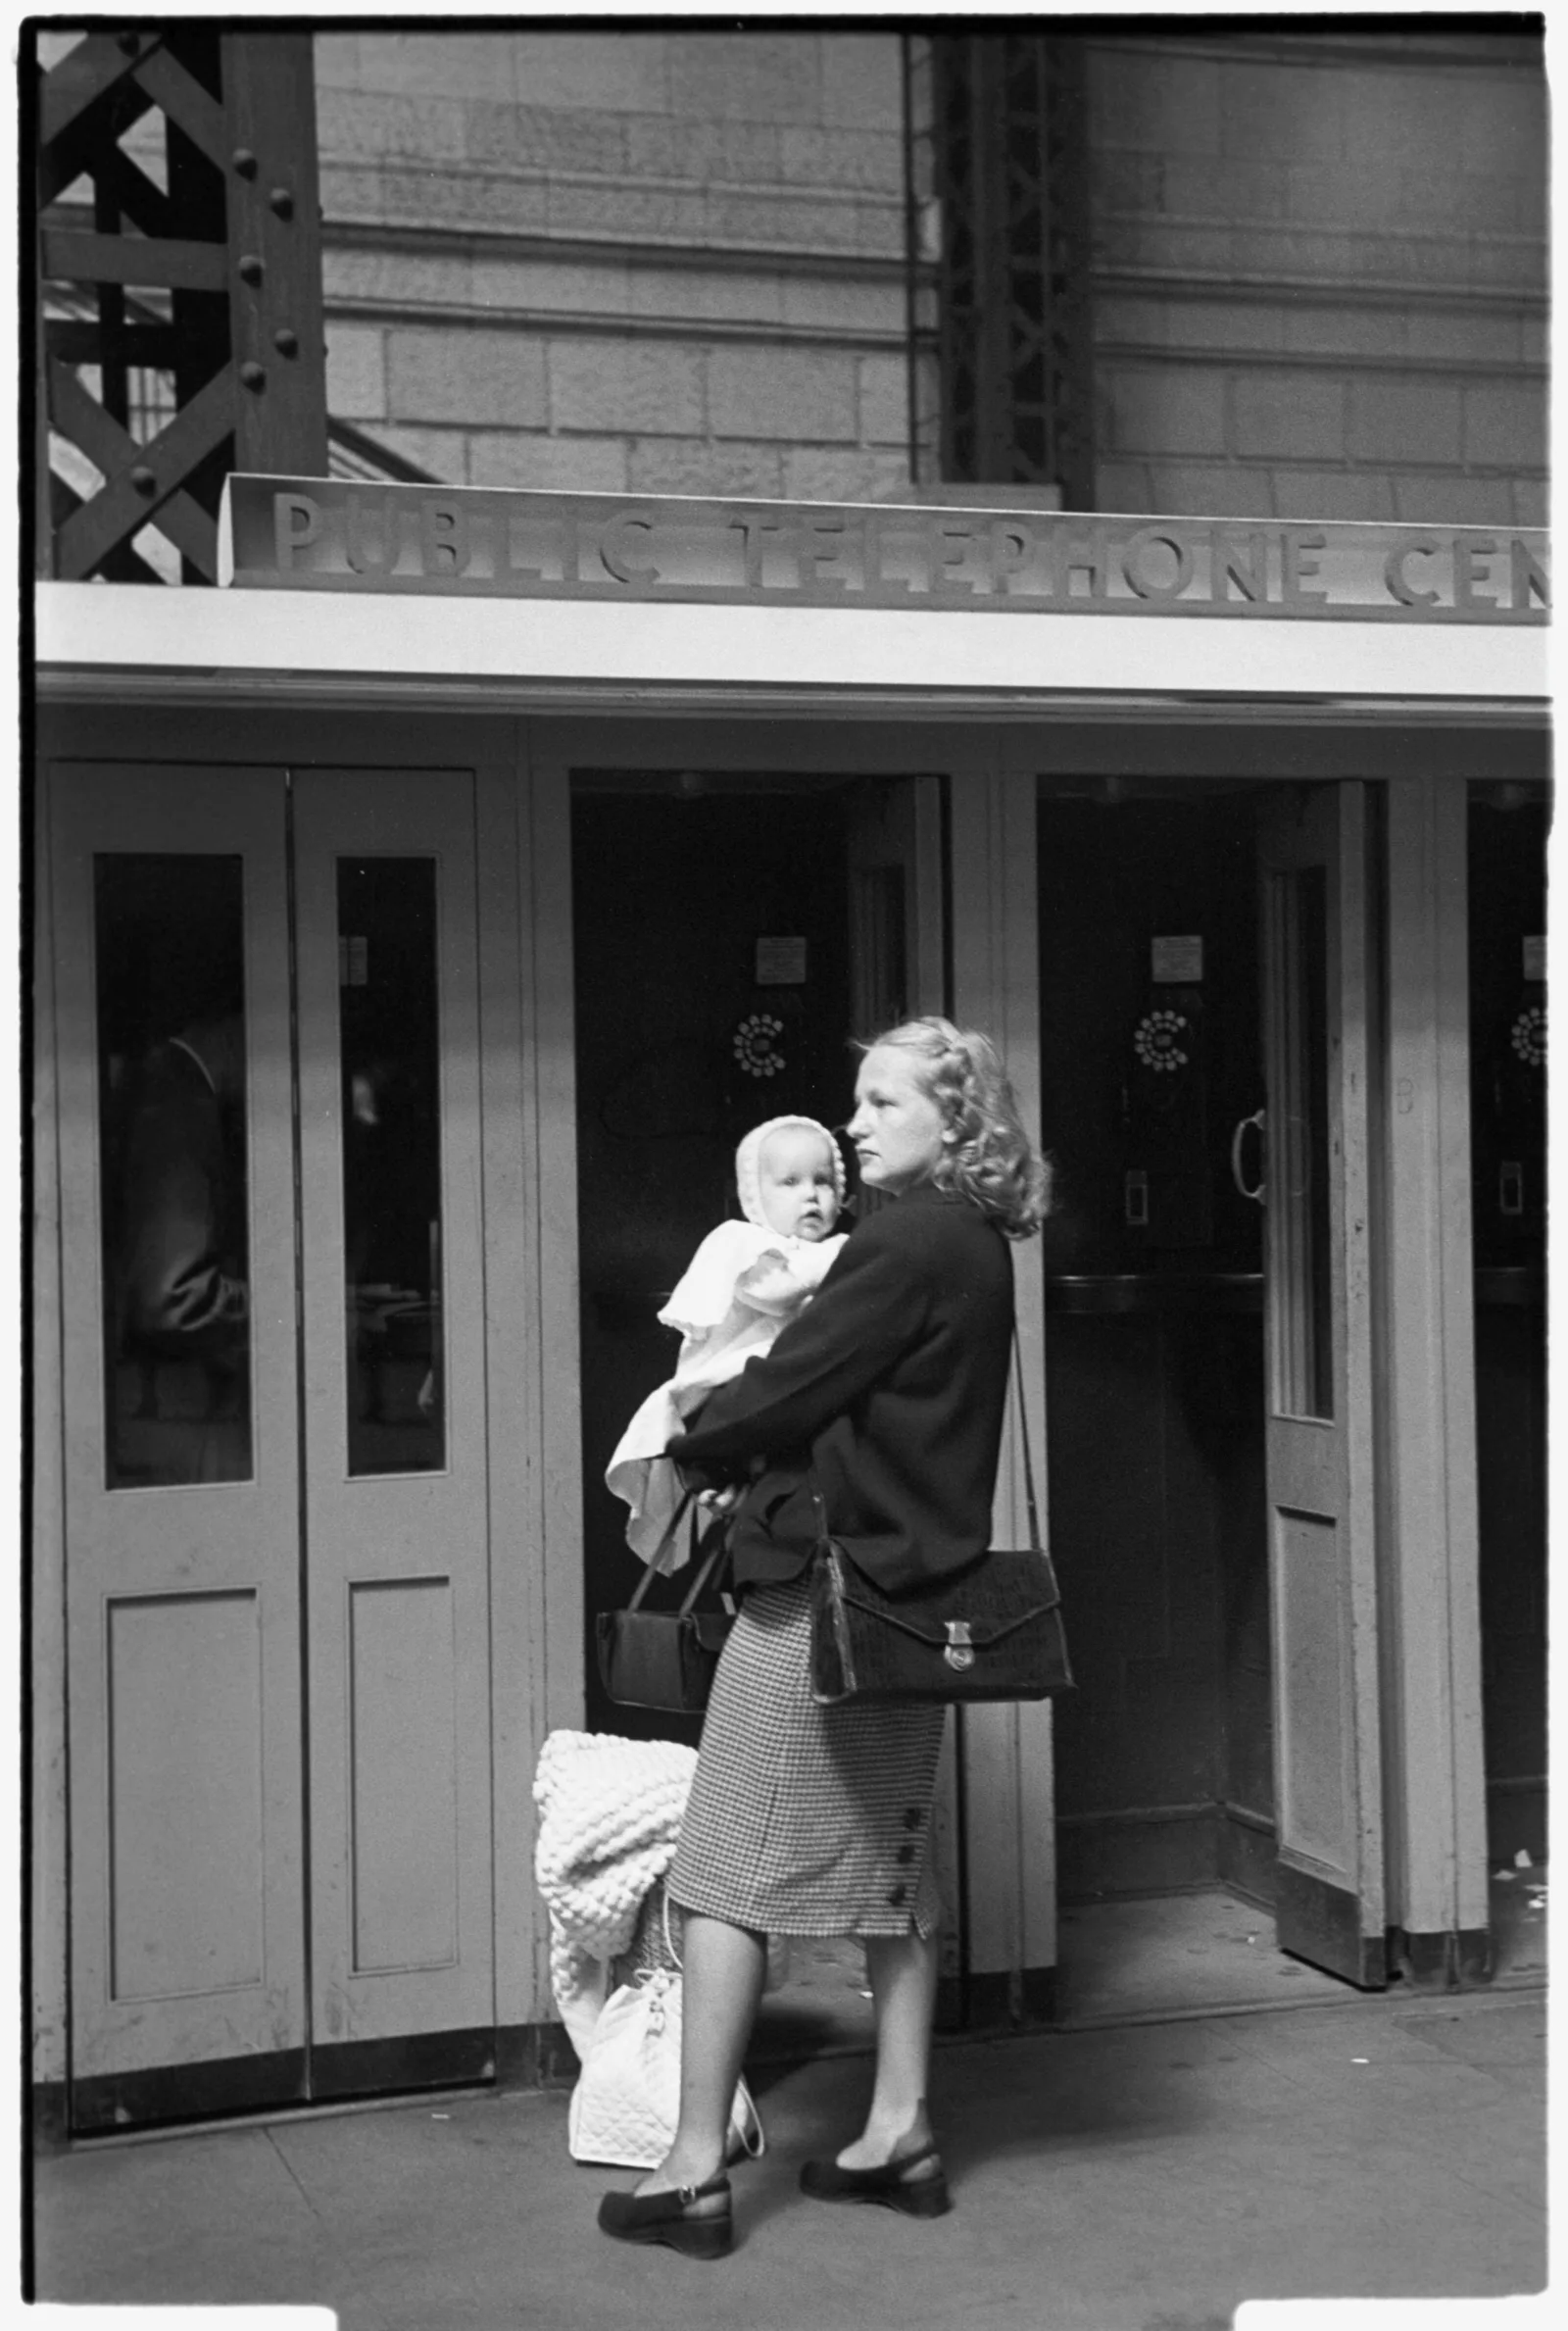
(883, 1401)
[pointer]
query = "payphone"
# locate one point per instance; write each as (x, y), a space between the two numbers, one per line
(1167, 1198)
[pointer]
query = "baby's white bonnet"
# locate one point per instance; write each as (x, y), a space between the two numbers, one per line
(749, 1161)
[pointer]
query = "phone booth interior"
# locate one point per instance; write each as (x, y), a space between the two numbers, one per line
(1151, 1058)
(1153, 1081)
(685, 1039)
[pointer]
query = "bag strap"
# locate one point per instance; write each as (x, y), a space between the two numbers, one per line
(1035, 1540)
(715, 1552)
(717, 1531)
(655, 1561)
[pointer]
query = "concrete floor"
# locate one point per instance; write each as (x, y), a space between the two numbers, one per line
(1122, 1961)
(1139, 2177)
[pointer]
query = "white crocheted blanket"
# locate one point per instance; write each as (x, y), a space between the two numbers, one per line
(609, 1814)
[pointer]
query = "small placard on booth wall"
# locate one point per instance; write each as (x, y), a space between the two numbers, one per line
(780, 963)
(1176, 962)
(1536, 958)
(353, 962)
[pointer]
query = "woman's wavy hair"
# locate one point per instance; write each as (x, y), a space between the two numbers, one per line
(990, 1160)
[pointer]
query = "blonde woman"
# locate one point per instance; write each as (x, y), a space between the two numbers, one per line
(885, 1400)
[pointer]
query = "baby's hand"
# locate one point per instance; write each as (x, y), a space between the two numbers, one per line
(769, 1284)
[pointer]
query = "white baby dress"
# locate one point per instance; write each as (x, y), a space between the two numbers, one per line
(727, 1312)
(729, 1306)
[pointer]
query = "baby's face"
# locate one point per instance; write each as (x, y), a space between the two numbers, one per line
(796, 1184)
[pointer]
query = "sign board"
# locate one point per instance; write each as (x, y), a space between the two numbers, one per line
(1176, 962)
(780, 961)
(339, 534)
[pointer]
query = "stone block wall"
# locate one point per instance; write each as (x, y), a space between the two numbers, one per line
(674, 261)
(647, 261)
(1320, 275)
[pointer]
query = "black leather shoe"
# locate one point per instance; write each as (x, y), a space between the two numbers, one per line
(672, 2218)
(900, 2184)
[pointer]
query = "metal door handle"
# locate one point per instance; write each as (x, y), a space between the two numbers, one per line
(1237, 1138)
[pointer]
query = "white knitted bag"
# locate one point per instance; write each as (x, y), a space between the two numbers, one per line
(609, 1814)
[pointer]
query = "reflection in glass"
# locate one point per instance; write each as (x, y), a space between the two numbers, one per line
(391, 1117)
(169, 960)
(1301, 1304)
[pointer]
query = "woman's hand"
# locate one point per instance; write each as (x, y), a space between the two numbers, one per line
(721, 1500)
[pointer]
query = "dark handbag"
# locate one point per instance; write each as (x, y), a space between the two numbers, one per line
(992, 1631)
(665, 1658)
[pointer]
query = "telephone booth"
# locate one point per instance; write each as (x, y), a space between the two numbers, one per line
(533, 846)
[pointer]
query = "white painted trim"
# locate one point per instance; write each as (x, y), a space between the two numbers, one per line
(512, 1390)
(125, 627)
(553, 1550)
(1009, 1805)
(554, 1077)
(46, 1651)
(1433, 1715)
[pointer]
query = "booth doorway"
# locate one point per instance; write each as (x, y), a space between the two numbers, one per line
(272, 1285)
(1509, 828)
(1207, 1013)
(732, 936)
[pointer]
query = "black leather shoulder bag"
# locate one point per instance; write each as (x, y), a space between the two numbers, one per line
(993, 1631)
(665, 1658)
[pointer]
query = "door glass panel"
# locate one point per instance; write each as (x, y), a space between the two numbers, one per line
(1302, 1299)
(169, 938)
(391, 1118)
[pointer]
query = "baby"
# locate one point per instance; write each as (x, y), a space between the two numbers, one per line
(744, 1281)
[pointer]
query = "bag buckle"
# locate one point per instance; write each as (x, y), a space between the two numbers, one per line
(960, 1651)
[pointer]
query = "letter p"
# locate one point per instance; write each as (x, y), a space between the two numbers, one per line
(296, 521)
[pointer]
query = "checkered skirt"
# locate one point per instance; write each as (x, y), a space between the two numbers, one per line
(805, 1819)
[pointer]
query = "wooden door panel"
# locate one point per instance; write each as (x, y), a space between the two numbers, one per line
(402, 1826)
(181, 1528)
(1314, 1782)
(1322, 1546)
(394, 1406)
(186, 1911)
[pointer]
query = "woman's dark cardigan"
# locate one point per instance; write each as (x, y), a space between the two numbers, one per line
(888, 1389)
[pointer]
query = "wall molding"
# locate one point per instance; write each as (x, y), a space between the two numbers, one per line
(405, 240)
(341, 234)
(1311, 360)
(646, 251)
(590, 323)
(1482, 51)
(616, 182)
(868, 339)
(1316, 291)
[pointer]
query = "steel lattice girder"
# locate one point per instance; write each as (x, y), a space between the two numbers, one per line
(231, 244)
(1008, 124)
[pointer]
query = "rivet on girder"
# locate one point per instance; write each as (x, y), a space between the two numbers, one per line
(245, 161)
(251, 270)
(281, 201)
(252, 374)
